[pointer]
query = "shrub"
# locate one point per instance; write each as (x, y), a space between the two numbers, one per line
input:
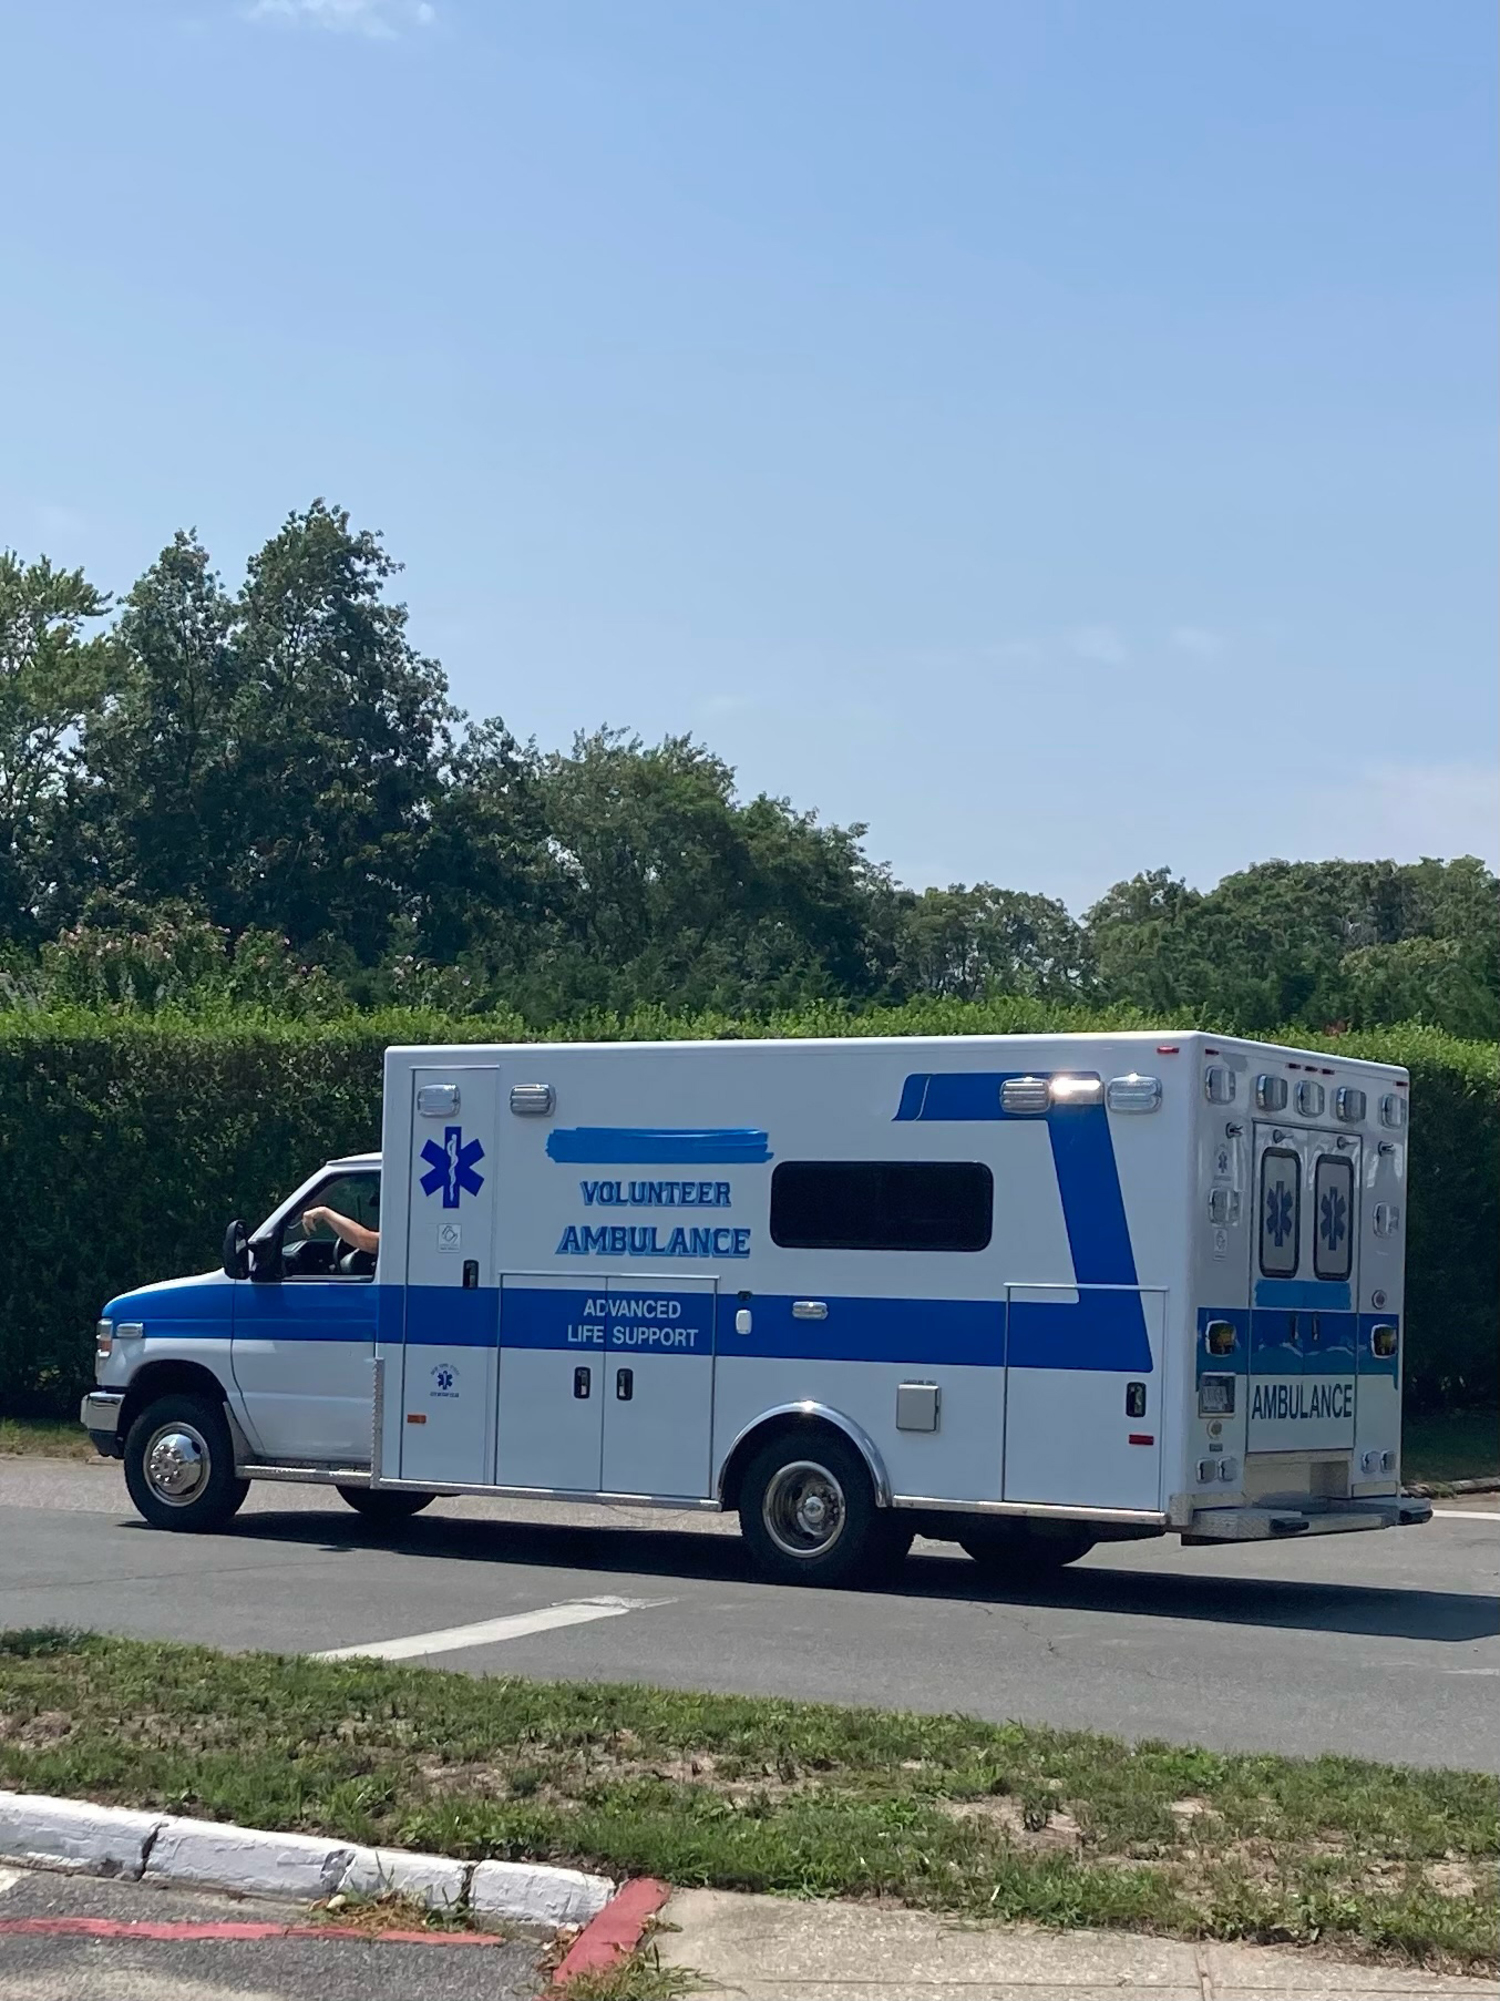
(127, 1141)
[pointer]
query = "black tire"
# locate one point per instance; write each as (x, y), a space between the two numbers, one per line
(385, 1505)
(808, 1513)
(1025, 1552)
(179, 1465)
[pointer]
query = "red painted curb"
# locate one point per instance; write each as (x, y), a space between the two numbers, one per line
(225, 1929)
(616, 1931)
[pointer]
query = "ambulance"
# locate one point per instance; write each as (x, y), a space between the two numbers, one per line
(1028, 1294)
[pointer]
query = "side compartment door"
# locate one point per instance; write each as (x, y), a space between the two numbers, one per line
(659, 1385)
(452, 1282)
(550, 1424)
(1084, 1395)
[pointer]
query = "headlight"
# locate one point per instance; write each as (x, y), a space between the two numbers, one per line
(104, 1338)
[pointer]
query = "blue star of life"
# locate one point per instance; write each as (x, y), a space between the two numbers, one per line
(1335, 1218)
(1278, 1215)
(452, 1166)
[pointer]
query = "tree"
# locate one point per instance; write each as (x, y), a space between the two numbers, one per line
(964, 943)
(162, 811)
(487, 882)
(1140, 933)
(671, 890)
(276, 757)
(52, 682)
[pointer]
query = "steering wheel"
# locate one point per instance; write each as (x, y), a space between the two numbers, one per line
(355, 1263)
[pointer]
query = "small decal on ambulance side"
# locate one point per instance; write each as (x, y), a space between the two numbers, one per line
(450, 1237)
(445, 1380)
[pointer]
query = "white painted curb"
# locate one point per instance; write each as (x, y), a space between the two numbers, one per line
(205, 1852)
(76, 1835)
(432, 1879)
(556, 1896)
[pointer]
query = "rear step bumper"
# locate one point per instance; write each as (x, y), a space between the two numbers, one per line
(1281, 1524)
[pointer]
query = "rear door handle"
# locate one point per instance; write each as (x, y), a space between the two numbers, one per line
(625, 1384)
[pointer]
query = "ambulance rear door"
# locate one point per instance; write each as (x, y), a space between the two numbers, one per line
(1304, 1288)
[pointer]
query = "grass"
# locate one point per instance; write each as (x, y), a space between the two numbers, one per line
(637, 1976)
(941, 1812)
(1451, 1445)
(45, 1438)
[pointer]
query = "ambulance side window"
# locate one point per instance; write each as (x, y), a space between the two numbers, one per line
(321, 1254)
(1333, 1217)
(1280, 1212)
(882, 1205)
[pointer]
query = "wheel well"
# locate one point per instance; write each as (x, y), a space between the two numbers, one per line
(160, 1379)
(803, 1427)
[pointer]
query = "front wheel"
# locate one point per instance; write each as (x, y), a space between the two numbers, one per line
(179, 1464)
(385, 1505)
(808, 1513)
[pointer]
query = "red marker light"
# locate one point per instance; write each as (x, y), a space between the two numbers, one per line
(1167, 1049)
(1143, 1437)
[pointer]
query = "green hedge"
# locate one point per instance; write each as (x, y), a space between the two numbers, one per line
(127, 1142)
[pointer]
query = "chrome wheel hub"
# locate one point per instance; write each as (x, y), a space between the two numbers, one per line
(177, 1464)
(804, 1510)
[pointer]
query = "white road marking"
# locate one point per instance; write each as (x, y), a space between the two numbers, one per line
(485, 1632)
(1466, 1514)
(8, 1879)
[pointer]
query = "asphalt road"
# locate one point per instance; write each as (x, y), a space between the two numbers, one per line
(1383, 1645)
(41, 1959)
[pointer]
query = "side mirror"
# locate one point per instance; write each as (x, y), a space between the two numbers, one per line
(264, 1259)
(236, 1251)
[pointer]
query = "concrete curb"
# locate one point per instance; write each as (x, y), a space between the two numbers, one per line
(1438, 1490)
(86, 1839)
(616, 1932)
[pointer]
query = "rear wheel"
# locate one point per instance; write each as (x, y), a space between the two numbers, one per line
(385, 1505)
(179, 1464)
(1016, 1553)
(807, 1510)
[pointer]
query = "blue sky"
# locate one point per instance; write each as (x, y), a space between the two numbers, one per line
(1059, 434)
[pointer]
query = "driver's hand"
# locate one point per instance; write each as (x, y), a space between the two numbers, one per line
(311, 1219)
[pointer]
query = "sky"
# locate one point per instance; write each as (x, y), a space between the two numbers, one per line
(1059, 434)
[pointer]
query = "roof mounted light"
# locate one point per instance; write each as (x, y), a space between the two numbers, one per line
(1218, 1084)
(1310, 1099)
(532, 1100)
(1270, 1093)
(1349, 1104)
(1393, 1110)
(1025, 1094)
(1133, 1093)
(1077, 1090)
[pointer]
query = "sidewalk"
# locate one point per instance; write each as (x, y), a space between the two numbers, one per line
(771, 1949)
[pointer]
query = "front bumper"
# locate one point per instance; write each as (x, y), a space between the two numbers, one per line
(1311, 1517)
(99, 1414)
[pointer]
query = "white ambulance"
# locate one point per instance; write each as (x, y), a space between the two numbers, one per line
(1028, 1293)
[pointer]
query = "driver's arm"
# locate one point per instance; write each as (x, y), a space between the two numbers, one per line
(352, 1233)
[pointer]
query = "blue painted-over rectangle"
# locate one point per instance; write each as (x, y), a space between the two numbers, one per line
(1331, 1295)
(621, 1146)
